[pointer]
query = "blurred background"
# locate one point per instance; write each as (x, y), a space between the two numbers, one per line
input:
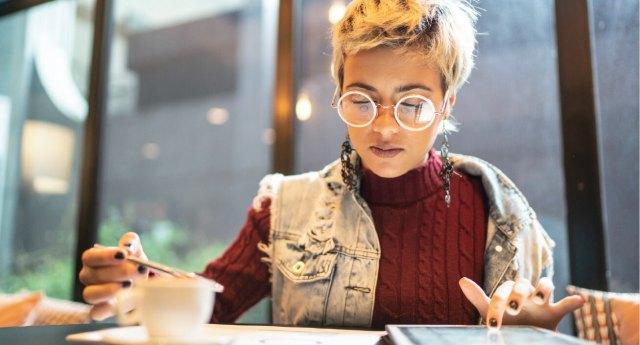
(188, 124)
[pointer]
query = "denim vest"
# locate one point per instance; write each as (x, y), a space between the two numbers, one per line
(324, 251)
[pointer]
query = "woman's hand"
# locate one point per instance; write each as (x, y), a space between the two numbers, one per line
(105, 271)
(524, 304)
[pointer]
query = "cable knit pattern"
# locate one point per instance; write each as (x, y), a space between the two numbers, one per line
(466, 235)
(426, 247)
(240, 269)
(437, 257)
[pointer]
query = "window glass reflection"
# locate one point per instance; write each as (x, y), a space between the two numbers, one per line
(188, 108)
(44, 70)
(615, 46)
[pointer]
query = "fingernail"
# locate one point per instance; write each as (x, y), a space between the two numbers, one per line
(513, 305)
(126, 283)
(131, 246)
(493, 323)
(119, 256)
(142, 269)
(540, 295)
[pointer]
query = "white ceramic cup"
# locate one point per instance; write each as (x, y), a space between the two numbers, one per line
(168, 308)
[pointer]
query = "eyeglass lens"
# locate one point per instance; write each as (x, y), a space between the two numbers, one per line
(411, 112)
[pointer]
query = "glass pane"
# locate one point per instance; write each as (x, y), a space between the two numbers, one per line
(44, 69)
(510, 113)
(319, 135)
(615, 25)
(492, 107)
(187, 136)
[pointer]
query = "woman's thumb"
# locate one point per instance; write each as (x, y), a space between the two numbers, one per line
(475, 295)
(569, 304)
(131, 241)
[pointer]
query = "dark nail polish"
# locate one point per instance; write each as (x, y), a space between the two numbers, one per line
(513, 305)
(540, 295)
(493, 323)
(126, 283)
(119, 256)
(142, 269)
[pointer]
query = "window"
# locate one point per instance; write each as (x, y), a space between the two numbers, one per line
(187, 132)
(510, 114)
(615, 60)
(44, 64)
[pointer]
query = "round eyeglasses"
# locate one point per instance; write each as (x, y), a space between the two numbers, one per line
(412, 112)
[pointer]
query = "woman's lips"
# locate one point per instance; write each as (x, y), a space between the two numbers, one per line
(385, 151)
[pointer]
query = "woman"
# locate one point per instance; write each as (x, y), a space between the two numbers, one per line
(393, 232)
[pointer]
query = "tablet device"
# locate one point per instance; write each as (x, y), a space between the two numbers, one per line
(477, 335)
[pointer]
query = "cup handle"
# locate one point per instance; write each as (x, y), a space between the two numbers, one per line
(125, 308)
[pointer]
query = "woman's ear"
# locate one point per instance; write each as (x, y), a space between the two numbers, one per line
(452, 99)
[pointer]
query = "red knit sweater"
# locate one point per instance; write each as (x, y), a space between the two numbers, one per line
(425, 247)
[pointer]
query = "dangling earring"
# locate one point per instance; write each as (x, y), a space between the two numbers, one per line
(350, 172)
(447, 167)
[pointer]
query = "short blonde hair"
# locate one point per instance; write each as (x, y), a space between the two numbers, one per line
(443, 29)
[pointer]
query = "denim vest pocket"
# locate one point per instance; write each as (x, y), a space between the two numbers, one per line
(301, 284)
(300, 266)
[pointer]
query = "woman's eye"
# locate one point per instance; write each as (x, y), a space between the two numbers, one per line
(408, 108)
(409, 105)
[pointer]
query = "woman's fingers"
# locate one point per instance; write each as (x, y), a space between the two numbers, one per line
(108, 265)
(498, 304)
(474, 294)
(100, 293)
(102, 311)
(103, 256)
(105, 271)
(543, 292)
(513, 296)
(110, 274)
(519, 293)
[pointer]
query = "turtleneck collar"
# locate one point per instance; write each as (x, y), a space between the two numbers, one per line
(415, 185)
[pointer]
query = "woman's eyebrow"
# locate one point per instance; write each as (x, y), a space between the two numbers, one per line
(400, 89)
(362, 86)
(413, 87)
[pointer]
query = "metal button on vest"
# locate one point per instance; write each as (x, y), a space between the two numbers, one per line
(498, 248)
(298, 267)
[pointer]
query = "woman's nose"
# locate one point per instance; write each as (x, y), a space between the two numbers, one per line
(385, 122)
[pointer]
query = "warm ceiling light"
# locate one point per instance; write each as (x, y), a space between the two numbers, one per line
(336, 11)
(50, 185)
(217, 116)
(150, 151)
(47, 156)
(303, 107)
(268, 136)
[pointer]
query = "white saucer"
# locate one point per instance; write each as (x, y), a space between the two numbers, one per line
(138, 336)
(213, 334)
